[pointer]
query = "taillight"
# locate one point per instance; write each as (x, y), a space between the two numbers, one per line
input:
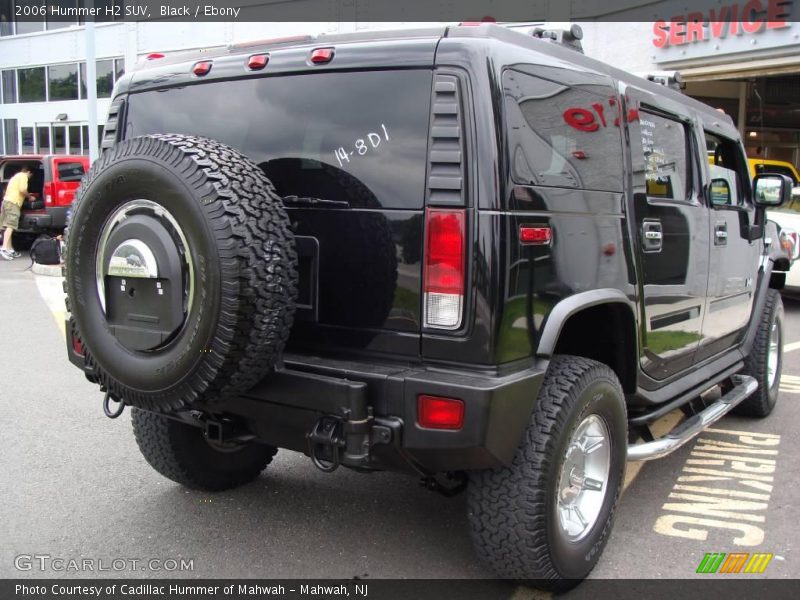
(789, 241)
(436, 412)
(49, 192)
(445, 250)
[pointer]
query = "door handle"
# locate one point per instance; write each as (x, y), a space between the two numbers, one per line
(721, 234)
(652, 236)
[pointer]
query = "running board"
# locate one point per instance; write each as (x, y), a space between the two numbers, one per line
(743, 387)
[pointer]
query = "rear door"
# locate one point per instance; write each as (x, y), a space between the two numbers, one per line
(347, 151)
(672, 232)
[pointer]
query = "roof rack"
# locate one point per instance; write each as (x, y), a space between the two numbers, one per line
(671, 79)
(570, 38)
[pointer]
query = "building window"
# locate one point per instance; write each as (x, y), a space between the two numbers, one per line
(109, 10)
(63, 82)
(74, 139)
(32, 85)
(59, 134)
(43, 139)
(105, 78)
(10, 140)
(27, 140)
(108, 70)
(30, 21)
(10, 137)
(6, 18)
(64, 22)
(9, 82)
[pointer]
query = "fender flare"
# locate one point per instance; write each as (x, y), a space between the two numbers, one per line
(572, 305)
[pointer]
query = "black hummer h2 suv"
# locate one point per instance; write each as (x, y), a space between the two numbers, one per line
(466, 254)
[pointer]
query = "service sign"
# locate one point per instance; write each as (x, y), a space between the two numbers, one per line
(729, 27)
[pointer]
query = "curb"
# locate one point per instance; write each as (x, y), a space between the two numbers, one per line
(49, 270)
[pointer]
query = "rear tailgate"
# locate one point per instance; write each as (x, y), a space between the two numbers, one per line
(347, 152)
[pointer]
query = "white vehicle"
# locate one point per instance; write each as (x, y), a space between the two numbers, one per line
(788, 218)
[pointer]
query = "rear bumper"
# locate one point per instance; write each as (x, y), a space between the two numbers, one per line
(54, 217)
(285, 406)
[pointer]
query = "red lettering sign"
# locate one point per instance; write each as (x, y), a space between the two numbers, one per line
(751, 17)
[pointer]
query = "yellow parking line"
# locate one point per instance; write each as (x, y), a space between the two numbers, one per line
(52, 292)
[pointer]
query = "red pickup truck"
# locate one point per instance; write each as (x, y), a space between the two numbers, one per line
(53, 183)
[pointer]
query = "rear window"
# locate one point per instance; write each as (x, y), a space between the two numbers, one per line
(359, 138)
(71, 171)
(563, 134)
(12, 168)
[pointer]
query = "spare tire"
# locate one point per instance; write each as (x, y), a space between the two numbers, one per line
(180, 272)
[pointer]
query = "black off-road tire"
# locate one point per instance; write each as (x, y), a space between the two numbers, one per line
(181, 453)
(239, 237)
(513, 510)
(763, 400)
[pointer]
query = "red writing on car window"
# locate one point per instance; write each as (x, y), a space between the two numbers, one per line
(584, 119)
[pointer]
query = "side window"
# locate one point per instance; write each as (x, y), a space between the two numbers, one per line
(665, 149)
(563, 135)
(724, 186)
(727, 170)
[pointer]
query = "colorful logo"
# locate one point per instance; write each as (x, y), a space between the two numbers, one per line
(735, 562)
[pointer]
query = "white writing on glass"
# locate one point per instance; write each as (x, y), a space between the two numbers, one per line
(361, 146)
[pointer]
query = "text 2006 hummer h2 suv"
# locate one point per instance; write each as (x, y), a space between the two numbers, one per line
(466, 254)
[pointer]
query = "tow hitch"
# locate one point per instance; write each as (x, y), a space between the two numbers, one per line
(345, 439)
(326, 440)
(107, 400)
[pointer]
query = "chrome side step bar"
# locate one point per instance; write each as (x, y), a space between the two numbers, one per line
(743, 387)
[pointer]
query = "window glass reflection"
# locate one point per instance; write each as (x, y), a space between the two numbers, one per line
(359, 138)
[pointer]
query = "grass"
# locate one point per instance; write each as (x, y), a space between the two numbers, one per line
(659, 342)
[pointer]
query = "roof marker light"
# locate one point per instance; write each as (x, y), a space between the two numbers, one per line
(257, 62)
(320, 56)
(202, 68)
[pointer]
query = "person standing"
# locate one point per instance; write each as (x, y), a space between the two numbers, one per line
(16, 193)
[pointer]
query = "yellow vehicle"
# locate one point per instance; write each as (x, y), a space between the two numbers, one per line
(763, 165)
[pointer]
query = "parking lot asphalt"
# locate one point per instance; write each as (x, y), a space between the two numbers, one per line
(75, 486)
